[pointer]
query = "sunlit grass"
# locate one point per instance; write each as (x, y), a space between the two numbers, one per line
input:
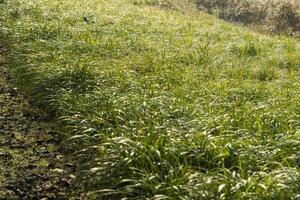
(160, 104)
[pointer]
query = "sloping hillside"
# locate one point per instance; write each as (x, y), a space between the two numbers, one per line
(157, 103)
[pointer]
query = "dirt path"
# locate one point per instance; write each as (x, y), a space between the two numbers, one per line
(32, 163)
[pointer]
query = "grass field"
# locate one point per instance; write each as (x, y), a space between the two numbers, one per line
(160, 104)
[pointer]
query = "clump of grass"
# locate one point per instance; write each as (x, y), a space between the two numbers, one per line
(148, 168)
(160, 104)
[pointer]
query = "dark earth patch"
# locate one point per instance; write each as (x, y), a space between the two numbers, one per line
(33, 164)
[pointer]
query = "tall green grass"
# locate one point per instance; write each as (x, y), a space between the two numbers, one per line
(160, 104)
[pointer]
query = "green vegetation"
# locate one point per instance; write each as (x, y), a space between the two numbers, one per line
(273, 15)
(159, 104)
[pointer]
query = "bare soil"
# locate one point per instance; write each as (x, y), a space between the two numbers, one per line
(33, 164)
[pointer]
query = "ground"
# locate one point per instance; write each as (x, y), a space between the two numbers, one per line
(153, 103)
(32, 163)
